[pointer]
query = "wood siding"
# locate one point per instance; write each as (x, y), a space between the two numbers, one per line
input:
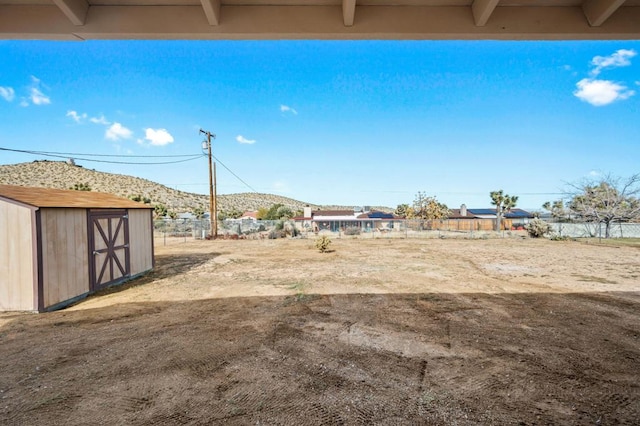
(65, 263)
(141, 241)
(17, 257)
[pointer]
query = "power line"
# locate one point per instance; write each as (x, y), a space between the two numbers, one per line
(66, 155)
(113, 155)
(236, 176)
(75, 155)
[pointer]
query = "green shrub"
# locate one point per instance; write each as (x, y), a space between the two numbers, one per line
(323, 243)
(537, 228)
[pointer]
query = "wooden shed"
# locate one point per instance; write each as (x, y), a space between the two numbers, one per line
(57, 246)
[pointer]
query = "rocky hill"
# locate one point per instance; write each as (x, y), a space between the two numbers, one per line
(59, 174)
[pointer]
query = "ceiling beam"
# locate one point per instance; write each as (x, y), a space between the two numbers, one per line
(212, 10)
(40, 21)
(75, 10)
(598, 11)
(482, 10)
(348, 12)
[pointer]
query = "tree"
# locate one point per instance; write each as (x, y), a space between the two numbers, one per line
(504, 203)
(232, 213)
(557, 209)
(607, 200)
(262, 213)
(404, 210)
(198, 212)
(160, 210)
(275, 212)
(429, 208)
(139, 198)
(81, 187)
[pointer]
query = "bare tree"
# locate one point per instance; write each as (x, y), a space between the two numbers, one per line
(606, 200)
(504, 203)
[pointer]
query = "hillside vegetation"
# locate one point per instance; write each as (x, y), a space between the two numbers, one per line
(61, 175)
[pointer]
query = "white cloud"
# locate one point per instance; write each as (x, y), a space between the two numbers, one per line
(601, 92)
(158, 137)
(35, 94)
(39, 98)
(242, 139)
(7, 93)
(594, 173)
(621, 58)
(117, 131)
(285, 108)
(100, 120)
(75, 116)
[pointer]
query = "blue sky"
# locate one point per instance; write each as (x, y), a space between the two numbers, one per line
(342, 122)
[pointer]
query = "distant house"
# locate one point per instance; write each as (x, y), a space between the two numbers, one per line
(339, 220)
(513, 219)
(249, 215)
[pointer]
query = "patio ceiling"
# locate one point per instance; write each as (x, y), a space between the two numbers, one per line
(320, 19)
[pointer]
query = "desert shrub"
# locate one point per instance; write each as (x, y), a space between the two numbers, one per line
(323, 243)
(352, 230)
(80, 187)
(537, 228)
(277, 233)
(290, 229)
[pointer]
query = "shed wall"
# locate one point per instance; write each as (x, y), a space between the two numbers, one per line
(65, 263)
(140, 240)
(17, 257)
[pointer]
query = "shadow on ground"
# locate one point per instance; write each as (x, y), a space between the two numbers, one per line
(328, 360)
(166, 266)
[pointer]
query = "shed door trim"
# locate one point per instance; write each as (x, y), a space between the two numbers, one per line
(109, 253)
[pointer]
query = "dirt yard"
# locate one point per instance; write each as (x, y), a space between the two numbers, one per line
(384, 332)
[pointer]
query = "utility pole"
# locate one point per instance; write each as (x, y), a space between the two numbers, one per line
(213, 210)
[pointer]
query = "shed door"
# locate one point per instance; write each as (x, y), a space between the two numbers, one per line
(108, 247)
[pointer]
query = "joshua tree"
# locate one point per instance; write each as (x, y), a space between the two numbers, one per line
(504, 203)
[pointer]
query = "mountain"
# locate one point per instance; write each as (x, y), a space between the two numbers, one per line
(62, 175)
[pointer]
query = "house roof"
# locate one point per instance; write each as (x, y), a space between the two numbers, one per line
(48, 197)
(489, 213)
(377, 215)
(332, 213)
(517, 213)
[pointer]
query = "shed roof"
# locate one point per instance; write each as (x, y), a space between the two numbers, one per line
(48, 197)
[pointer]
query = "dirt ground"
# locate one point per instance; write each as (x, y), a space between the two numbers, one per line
(384, 332)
